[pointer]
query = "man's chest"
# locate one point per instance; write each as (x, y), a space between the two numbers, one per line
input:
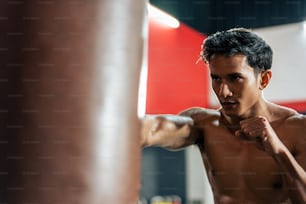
(237, 163)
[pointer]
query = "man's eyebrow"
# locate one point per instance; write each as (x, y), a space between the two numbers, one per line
(234, 74)
(228, 75)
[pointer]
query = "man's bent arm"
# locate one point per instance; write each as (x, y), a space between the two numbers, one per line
(294, 165)
(259, 128)
(294, 174)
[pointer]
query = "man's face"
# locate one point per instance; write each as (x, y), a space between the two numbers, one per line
(235, 84)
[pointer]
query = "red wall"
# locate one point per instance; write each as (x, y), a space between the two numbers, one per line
(175, 81)
(299, 106)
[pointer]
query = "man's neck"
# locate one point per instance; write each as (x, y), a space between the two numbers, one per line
(233, 122)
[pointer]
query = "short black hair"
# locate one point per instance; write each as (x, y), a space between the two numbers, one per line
(239, 41)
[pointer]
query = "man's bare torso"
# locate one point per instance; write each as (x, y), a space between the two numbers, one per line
(238, 170)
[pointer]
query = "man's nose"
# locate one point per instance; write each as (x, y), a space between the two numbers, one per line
(224, 90)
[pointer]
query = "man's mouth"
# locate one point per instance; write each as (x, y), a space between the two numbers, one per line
(229, 103)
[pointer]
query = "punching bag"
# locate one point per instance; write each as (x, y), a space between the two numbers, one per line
(68, 101)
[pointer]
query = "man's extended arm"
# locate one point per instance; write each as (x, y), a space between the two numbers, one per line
(169, 131)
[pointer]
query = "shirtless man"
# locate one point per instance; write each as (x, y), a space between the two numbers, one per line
(254, 151)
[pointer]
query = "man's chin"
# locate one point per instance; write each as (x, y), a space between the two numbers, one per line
(230, 111)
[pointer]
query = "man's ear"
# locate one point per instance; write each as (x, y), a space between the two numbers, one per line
(265, 77)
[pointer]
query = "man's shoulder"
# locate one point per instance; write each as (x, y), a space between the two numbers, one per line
(286, 114)
(296, 120)
(294, 129)
(201, 115)
(290, 115)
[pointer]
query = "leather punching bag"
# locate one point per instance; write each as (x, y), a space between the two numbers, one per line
(69, 131)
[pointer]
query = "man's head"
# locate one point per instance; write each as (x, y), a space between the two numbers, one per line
(239, 62)
(239, 41)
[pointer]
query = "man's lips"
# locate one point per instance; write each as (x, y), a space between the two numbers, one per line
(228, 103)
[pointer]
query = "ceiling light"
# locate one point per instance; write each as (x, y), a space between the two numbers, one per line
(162, 17)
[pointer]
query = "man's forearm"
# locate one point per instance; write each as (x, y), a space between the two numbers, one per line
(169, 131)
(295, 175)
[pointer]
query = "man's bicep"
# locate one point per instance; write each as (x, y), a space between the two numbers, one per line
(200, 117)
(300, 153)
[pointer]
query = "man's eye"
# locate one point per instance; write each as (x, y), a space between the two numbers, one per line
(235, 78)
(214, 78)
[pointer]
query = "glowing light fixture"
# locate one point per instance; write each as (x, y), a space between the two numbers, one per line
(162, 17)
